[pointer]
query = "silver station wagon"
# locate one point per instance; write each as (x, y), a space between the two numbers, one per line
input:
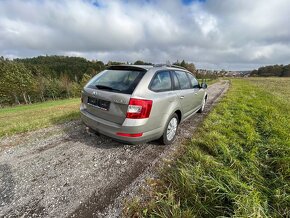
(136, 104)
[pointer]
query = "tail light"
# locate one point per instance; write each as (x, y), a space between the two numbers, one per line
(139, 108)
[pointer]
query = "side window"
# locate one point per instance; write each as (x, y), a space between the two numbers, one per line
(161, 82)
(193, 81)
(175, 81)
(183, 80)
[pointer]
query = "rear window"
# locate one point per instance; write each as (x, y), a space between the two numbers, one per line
(122, 81)
(161, 82)
(183, 80)
(175, 82)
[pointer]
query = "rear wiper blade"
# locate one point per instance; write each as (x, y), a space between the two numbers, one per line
(107, 87)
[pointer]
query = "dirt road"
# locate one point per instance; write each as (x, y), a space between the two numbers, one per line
(61, 171)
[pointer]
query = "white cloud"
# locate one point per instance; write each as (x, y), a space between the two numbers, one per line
(224, 34)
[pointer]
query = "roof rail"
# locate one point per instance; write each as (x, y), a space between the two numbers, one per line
(176, 66)
(169, 65)
(160, 65)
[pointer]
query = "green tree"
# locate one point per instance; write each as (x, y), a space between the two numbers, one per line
(65, 84)
(189, 66)
(40, 86)
(16, 81)
(139, 62)
(274, 70)
(183, 64)
(286, 71)
(85, 80)
(53, 90)
(75, 89)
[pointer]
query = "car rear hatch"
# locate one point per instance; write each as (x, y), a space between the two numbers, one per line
(108, 94)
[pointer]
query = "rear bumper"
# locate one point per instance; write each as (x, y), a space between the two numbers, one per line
(111, 129)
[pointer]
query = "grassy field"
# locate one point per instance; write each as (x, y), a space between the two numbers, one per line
(209, 81)
(30, 117)
(236, 165)
(277, 86)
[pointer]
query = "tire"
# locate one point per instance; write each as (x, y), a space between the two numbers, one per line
(167, 138)
(202, 106)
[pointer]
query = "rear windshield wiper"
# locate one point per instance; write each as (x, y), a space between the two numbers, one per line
(108, 88)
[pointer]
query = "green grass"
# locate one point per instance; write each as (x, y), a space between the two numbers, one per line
(25, 118)
(236, 165)
(209, 81)
(274, 85)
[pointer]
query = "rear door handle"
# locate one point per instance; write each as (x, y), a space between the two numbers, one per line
(182, 97)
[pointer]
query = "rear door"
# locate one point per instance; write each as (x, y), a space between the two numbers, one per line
(185, 93)
(107, 95)
(164, 96)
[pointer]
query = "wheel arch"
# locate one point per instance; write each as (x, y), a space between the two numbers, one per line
(179, 115)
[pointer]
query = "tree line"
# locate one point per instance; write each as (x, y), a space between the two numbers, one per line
(274, 70)
(30, 80)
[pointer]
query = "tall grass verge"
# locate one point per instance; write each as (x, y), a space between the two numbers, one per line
(236, 165)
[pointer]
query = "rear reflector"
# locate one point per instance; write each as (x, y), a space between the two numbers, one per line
(129, 134)
(139, 108)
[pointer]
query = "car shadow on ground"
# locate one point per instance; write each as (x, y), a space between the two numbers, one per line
(75, 131)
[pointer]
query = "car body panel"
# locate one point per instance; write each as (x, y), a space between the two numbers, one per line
(118, 104)
(199, 94)
(186, 100)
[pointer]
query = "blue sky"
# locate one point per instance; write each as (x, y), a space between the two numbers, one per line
(188, 2)
(229, 34)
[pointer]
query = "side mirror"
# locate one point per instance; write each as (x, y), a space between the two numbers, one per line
(203, 85)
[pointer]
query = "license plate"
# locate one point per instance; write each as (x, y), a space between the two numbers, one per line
(99, 103)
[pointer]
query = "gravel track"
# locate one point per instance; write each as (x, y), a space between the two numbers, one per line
(62, 171)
